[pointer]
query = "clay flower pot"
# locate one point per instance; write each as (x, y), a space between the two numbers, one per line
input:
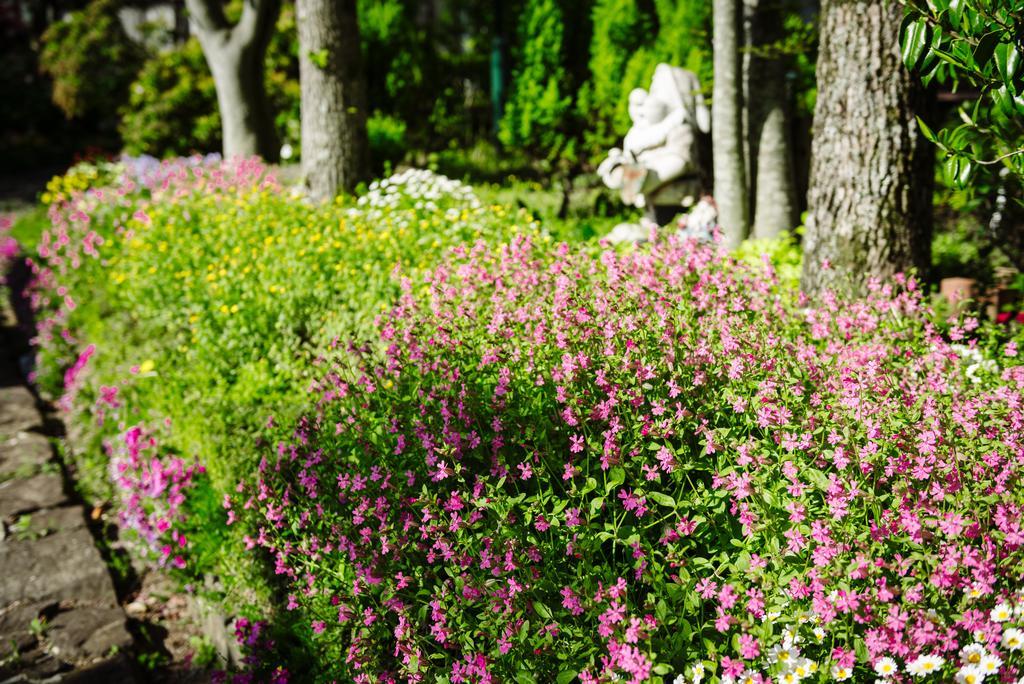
(958, 290)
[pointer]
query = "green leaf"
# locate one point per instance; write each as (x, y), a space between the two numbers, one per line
(566, 676)
(616, 476)
(985, 48)
(964, 175)
(1007, 60)
(955, 12)
(319, 58)
(817, 478)
(915, 40)
(951, 169)
(662, 499)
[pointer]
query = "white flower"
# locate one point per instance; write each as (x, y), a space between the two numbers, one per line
(791, 635)
(990, 664)
(804, 667)
(886, 667)
(680, 679)
(819, 634)
(924, 665)
(789, 677)
(748, 677)
(1001, 613)
(1013, 639)
(970, 674)
(972, 654)
(697, 673)
(840, 673)
(784, 655)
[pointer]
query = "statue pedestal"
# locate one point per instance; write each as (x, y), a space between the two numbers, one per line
(671, 199)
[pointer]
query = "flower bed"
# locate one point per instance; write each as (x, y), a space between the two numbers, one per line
(649, 466)
(464, 454)
(181, 305)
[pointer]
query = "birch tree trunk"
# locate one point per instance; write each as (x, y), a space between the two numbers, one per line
(236, 55)
(771, 168)
(335, 149)
(871, 170)
(727, 125)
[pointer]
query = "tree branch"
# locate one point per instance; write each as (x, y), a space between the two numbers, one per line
(989, 162)
(257, 21)
(208, 15)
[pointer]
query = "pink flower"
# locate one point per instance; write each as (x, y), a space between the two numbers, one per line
(749, 647)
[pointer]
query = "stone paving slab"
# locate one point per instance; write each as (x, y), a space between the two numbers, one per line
(64, 566)
(33, 493)
(84, 633)
(19, 410)
(24, 453)
(14, 638)
(59, 616)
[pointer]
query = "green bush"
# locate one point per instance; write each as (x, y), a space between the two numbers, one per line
(387, 140)
(539, 105)
(978, 44)
(91, 61)
(172, 107)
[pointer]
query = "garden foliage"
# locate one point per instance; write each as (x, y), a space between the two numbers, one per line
(182, 306)
(539, 105)
(468, 454)
(91, 61)
(973, 45)
(631, 466)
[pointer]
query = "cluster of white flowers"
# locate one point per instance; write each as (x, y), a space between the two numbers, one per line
(980, 661)
(784, 659)
(975, 363)
(977, 662)
(421, 187)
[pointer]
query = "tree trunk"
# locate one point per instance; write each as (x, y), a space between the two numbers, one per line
(335, 150)
(772, 175)
(727, 126)
(236, 55)
(869, 199)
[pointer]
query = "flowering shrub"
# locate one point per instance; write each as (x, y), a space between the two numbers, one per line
(652, 466)
(185, 302)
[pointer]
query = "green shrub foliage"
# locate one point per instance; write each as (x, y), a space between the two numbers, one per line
(91, 61)
(539, 104)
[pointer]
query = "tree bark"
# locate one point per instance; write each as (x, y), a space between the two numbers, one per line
(236, 56)
(770, 153)
(869, 199)
(335, 149)
(727, 126)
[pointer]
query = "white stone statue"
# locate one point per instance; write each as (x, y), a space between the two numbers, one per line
(658, 162)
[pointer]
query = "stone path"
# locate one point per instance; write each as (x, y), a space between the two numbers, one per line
(59, 616)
